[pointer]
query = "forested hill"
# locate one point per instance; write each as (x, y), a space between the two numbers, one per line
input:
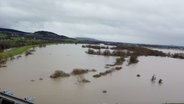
(43, 35)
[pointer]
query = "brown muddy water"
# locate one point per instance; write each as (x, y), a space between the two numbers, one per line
(123, 87)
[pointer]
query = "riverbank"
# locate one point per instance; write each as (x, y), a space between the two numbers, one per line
(14, 52)
(20, 50)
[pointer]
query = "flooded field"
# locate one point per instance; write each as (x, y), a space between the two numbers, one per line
(24, 76)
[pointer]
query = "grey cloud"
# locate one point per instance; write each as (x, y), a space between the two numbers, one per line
(137, 21)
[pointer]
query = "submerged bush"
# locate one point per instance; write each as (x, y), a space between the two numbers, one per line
(28, 53)
(3, 62)
(106, 53)
(82, 71)
(133, 59)
(96, 75)
(177, 55)
(90, 51)
(118, 53)
(79, 71)
(84, 81)
(59, 73)
(95, 46)
(118, 68)
(106, 72)
(119, 61)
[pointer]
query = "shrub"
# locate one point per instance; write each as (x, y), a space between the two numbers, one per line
(96, 75)
(119, 61)
(59, 73)
(79, 71)
(118, 68)
(106, 52)
(90, 51)
(133, 59)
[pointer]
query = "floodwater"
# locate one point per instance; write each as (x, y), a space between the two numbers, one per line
(123, 86)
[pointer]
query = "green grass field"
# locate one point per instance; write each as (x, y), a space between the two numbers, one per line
(2, 36)
(14, 52)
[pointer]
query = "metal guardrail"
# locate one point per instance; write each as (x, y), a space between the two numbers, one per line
(6, 97)
(172, 103)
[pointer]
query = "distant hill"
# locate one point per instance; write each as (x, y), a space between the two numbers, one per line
(86, 39)
(43, 35)
(46, 35)
(13, 33)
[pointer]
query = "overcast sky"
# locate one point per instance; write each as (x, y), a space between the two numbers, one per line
(134, 21)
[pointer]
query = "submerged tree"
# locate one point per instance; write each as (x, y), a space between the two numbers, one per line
(106, 53)
(90, 51)
(133, 59)
(119, 61)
